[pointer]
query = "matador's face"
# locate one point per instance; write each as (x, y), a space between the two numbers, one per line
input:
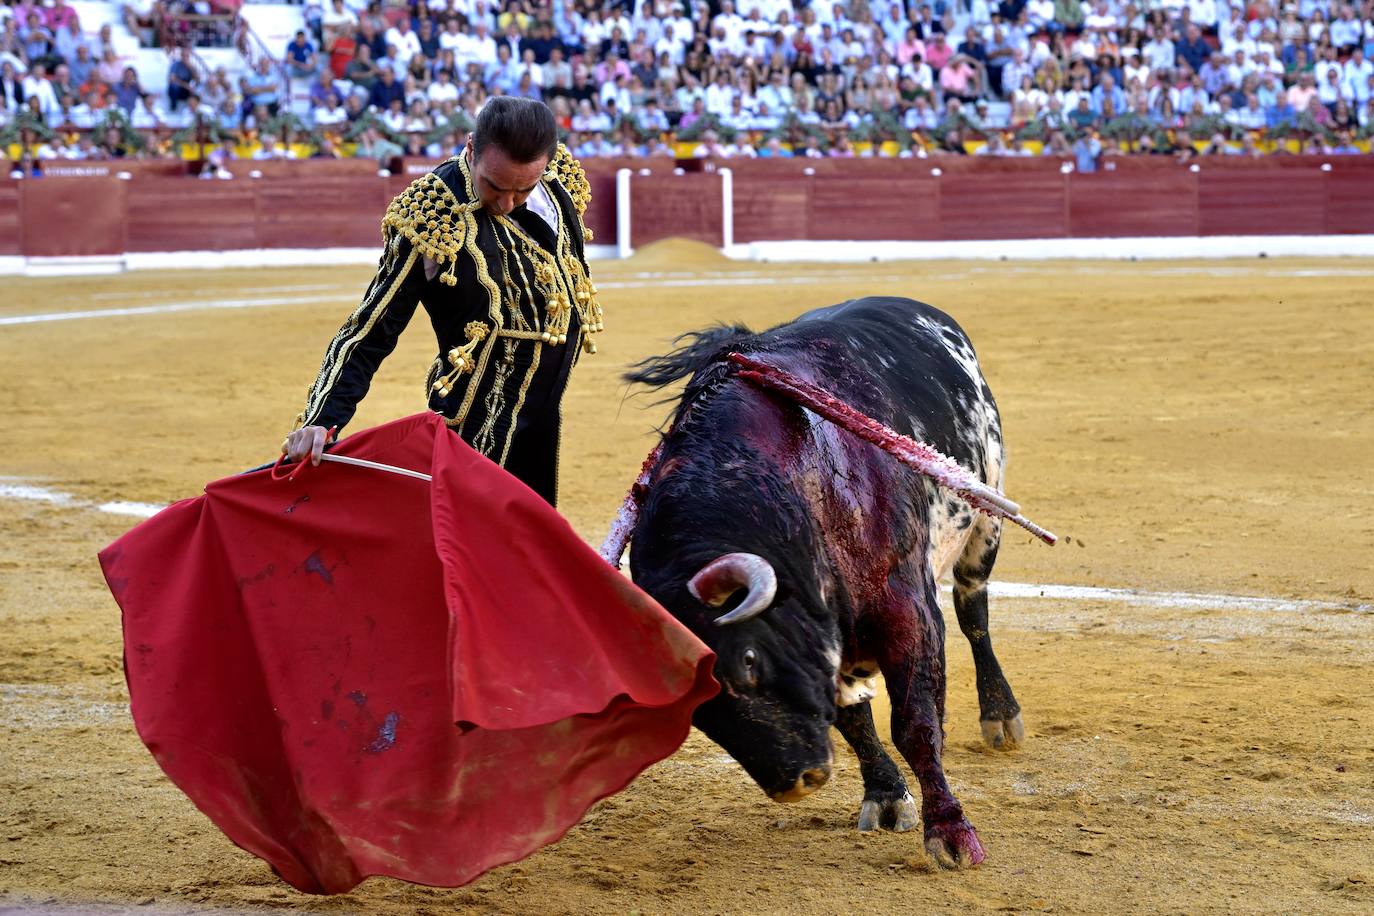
(501, 183)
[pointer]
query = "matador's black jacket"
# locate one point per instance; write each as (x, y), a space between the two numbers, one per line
(511, 302)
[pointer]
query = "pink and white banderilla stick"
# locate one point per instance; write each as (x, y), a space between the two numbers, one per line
(618, 538)
(917, 455)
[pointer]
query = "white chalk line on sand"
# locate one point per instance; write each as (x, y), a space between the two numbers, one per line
(11, 489)
(648, 280)
(15, 489)
(350, 295)
(194, 305)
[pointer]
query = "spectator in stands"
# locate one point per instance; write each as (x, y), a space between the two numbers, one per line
(128, 91)
(82, 65)
(64, 87)
(1086, 150)
(1346, 30)
(428, 38)
(373, 145)
(37, 40)
(337, 23)
(112, 144)
(385, 91)
(300, 57)
(11, 88)
(959, 78)
(1302, 92)
(110, 70)
(269, 149)
(147, 114)
(405, 41)
(181, 79)
(330, 113)
(262, 87)
(68, 37)
(362, 71)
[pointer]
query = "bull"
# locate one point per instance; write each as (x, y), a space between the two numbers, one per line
(808, 559)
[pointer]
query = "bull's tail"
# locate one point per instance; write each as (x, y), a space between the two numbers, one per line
(694, 351)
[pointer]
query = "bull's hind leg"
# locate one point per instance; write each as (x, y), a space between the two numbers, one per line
(887, 801)
(998, 712)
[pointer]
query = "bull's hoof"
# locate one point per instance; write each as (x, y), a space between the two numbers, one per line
(1004, 734)
(899, 814)
(954, 845)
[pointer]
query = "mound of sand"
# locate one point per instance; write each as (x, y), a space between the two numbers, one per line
(677, 254)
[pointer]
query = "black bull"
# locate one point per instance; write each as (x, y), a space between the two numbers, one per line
(808, 559)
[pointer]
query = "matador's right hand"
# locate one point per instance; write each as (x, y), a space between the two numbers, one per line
(308, 440)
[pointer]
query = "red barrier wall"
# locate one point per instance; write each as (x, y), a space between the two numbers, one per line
(340, 203)
(66, 217)
(11, 242)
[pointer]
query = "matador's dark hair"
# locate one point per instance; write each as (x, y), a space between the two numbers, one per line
(524, 128)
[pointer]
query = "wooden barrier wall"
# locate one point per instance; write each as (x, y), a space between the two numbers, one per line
(97, 210)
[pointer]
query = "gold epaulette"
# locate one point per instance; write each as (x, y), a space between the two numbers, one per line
(433, 220)
(570, 175)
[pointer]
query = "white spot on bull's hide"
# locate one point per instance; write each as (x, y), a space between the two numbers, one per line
(858, 683)
(854, 692)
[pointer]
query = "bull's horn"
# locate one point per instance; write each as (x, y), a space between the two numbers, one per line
(724, 576)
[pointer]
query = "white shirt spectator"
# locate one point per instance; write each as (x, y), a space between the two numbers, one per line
(1159, 54)
(1204, 12)
(652, 119)
(145, 118)
(719, 98)
(920, 118)
(588, 121)
(1357, 72)
(452, 38)
(1101, 19)
(616, 92)
(325, 116)
(341, 19)
(1237, 41)
(1332, 92)
(47, 98)
(1323, 67)
(1039, 13)
(1135, 71)
(482, 48)
(777, 98)
(442, 91)
(1250, 118)
(407, 44)
(921, 74)
(1161, 92)
(825, 10)
(1362, 93)
(1345, 33)
(731, 23)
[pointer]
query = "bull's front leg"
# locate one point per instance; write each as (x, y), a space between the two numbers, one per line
(887, 802)
(913, 664)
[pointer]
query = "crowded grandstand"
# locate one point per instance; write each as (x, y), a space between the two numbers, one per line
(215, 80)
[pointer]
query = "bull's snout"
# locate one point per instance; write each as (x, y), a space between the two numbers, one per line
(806, 783)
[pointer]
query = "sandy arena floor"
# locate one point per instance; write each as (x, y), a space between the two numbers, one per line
(1193, 427)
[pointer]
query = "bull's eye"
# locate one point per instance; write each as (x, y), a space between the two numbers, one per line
(751, 658)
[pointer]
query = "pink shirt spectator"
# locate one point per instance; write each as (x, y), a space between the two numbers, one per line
(605, 73)
(909, 48)
(938, 52)
(955, 77)
(59, 16)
